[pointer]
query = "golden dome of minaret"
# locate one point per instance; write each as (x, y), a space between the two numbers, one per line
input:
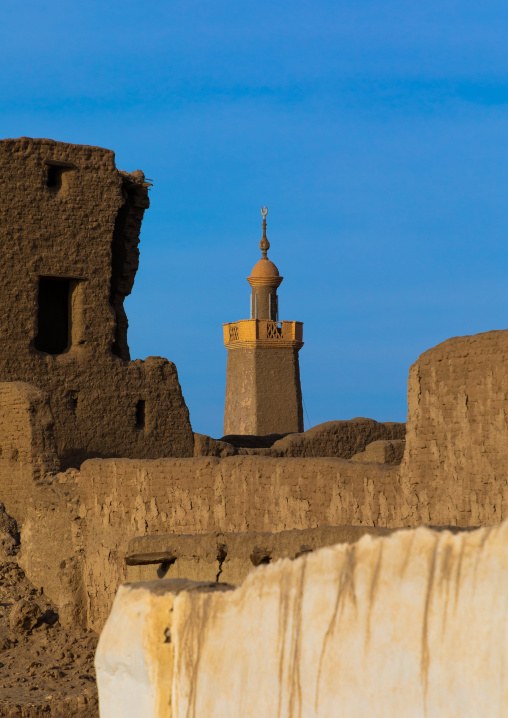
(264, 268)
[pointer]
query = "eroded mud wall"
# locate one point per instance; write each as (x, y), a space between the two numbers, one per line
(338, 439)
(109, 502)
(229, 557)
(457, 430)
(120, 499)
(27, 446)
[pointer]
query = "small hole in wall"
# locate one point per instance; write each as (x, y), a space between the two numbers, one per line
(259, 556)
(164, 568)
(140, 414)
(303, 550)
(73, 401)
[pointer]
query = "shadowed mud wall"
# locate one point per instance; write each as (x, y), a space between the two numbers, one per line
(339, 439)
(404, 625)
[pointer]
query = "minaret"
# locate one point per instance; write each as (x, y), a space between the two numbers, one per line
(263, 392)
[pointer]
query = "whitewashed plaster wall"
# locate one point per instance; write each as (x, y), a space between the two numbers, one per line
(412, 625)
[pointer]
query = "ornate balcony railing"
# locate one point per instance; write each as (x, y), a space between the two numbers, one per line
(263, 331)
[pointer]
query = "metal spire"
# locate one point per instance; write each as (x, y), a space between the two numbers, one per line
(264, 245)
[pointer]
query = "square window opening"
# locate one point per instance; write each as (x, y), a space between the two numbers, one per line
(57, 175)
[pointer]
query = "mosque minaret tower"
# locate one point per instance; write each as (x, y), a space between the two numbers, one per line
(263, 392)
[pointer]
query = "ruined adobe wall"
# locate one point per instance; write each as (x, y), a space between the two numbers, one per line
(53, 546)
(27, 446)
(109, 502)
(228, 557)
(84, 229)
(457, 430)
(94, 406)
(117, 500)
(122, 499)
(336, 438)
(244, 493)
(407, 625)
(339, 439)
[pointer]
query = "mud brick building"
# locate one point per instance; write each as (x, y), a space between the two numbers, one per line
(69, 230)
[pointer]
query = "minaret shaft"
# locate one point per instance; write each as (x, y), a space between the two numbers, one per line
(263, 392)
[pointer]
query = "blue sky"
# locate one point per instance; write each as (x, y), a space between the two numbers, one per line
(375, 132)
